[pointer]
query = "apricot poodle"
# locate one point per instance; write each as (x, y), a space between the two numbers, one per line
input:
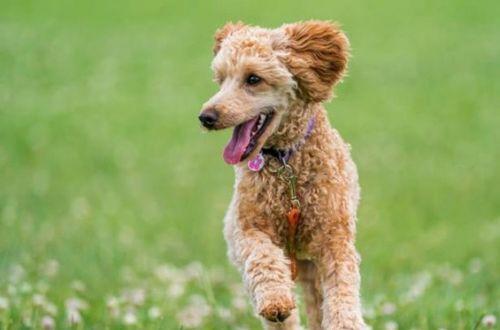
(293, 213)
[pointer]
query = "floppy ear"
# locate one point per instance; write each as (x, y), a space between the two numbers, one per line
(224, 32)
(318, 56)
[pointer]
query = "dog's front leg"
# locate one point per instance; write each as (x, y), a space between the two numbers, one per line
(267, 277)
(339, 267)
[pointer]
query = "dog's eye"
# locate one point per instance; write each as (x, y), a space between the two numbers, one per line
(253, 79)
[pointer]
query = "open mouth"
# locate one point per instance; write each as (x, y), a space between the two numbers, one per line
(245, 138)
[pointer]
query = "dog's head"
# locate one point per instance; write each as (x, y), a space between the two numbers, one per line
(261, 72)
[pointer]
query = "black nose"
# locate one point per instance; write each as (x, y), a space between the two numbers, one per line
(208, 118)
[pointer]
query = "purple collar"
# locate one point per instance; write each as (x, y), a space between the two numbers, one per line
(282, 155)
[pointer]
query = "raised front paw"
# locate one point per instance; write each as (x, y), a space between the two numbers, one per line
(276, 306)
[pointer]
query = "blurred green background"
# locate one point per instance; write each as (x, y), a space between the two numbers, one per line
(105, 171)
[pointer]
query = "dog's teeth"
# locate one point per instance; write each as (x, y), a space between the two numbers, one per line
(260, 123)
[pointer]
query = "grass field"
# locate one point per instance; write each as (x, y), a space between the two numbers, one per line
(111, 197)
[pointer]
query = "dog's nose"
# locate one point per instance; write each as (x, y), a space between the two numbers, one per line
(208, 118)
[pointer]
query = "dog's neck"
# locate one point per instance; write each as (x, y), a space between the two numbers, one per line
(293, 126)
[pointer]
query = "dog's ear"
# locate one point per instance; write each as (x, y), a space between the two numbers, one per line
(224, 32)
(318, 52)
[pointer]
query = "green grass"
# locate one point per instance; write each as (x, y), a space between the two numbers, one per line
(104, 169)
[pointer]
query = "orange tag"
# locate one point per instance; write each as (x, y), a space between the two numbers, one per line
(293, 220)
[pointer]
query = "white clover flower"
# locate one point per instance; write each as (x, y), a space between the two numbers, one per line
(48, 323)
(194, 314)
(198, 302)
(190, 318)
(74, 317)
(38, 300)
(224, 313)
(113, 305)
(489, 321)
(154, 313)
(452, 275)
(391, 325)
(419, 286)
(4, 303)
(130, 318)
(76, 303)
(138, 296)
(239, 303)
(134, 296)
(112, 302)
(175, 290)
(388, 308)
(193, 270)
(50, 268)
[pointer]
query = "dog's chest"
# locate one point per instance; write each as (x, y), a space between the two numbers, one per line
(269, 196)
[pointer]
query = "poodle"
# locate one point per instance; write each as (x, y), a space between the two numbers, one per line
(292, 217)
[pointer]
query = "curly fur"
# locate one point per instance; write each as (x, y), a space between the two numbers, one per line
(299, 64)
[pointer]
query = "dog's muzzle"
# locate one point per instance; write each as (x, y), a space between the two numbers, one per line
(209, 117)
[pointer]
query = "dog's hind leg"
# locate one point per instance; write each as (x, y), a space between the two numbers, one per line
(310, 282)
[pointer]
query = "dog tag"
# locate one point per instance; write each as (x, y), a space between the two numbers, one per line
(257, 163)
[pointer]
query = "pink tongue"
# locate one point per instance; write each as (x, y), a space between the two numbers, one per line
(239, 141)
